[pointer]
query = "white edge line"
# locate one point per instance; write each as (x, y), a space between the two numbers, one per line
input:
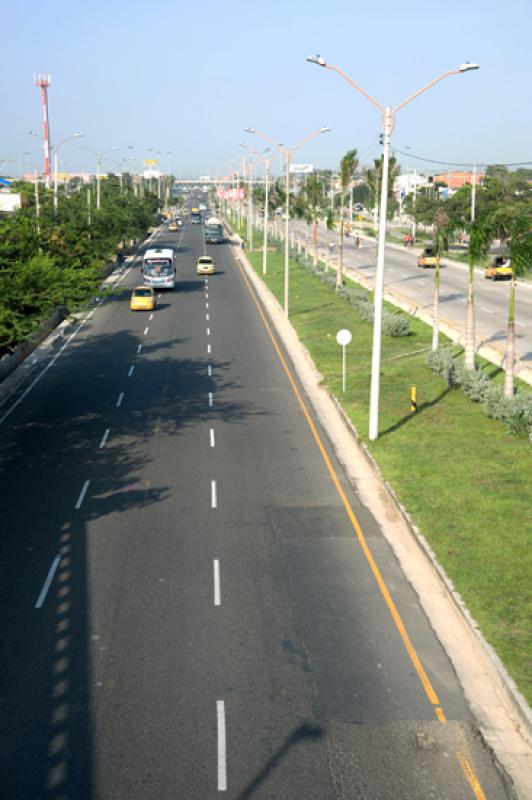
(45, 370)
(214, 495)
(105, 437)
(48, 581)
(217, 592)
(222, 759)
(82, 495)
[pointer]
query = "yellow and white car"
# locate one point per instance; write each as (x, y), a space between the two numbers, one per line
(429, 258)
(499, 269)
(172, 226)
(205, 265)
(143, 299)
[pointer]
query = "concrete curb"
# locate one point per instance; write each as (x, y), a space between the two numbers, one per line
(503, 715)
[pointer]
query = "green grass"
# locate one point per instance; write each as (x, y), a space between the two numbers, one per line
(464, 480)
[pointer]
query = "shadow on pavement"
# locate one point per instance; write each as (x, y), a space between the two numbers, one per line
(48, 448)
(305, 732)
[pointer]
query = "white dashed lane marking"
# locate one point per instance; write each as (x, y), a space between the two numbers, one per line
(48, 582)
(104, 438)
(82, 495)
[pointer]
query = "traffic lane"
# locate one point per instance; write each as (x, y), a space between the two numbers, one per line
(335, 695)
(491, 301)
(154, 622)
(48, 645)
(291, 487)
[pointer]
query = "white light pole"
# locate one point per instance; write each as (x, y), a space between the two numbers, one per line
(99, 157)
(388, 117)
(56, 151)
(266, 161)
(287, 153)
(473, 192)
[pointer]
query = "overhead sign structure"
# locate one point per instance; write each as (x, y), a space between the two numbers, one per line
(301, 169)
(150, 162)
(343, 337)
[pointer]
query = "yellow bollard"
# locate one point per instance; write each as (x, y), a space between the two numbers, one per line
(413, 398)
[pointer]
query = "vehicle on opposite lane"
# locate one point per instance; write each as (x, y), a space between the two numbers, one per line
(429, 258)
(205, 265)
(499, 269)
(143, 299)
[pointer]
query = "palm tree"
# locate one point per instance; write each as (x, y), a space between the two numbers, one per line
(348, 165)
(443, 231)
(479, 241)
(519, 230)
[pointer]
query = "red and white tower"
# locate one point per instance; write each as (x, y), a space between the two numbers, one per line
(44, 82)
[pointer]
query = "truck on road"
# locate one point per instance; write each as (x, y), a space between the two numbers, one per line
(214, 231)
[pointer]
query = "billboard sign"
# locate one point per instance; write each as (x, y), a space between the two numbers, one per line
(301, 169)
(9, 202)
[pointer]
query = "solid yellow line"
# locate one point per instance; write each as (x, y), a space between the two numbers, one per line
(471, 777)
(423, 677)
(440, 715)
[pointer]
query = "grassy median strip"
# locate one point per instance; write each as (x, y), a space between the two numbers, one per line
(463, 479)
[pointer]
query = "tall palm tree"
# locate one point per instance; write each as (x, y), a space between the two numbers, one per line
(519, 229)
(479, 241)
(348, 165)
(443, 231)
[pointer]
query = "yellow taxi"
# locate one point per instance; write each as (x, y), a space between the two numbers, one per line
(143, 299)
(205, 265)
(499, 269)
(429, 258)
(172, 226)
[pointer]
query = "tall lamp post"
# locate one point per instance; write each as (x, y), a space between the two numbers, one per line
(99, 157)
(56, 149)
(287, 153)
(388, 119)
(265, 158)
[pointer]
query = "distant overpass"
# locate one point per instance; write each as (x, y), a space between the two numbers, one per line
(205, 180)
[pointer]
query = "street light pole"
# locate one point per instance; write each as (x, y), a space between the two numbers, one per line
(287, 152)
(265, 238)
(99, 157)
(388, 117)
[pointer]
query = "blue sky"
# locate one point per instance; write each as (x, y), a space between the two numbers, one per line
(187, 77)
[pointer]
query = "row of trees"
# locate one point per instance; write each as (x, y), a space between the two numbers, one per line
(56, 260)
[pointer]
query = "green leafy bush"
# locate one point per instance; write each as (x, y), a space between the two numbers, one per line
(515, 412)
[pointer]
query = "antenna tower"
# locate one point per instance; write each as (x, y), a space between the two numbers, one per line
(44, 82)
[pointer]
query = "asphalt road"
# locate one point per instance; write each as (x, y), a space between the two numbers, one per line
(186, 609)
(404, 276)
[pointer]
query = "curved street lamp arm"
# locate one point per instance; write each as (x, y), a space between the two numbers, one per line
(428, 86)
(306, 139)
(354, 85)
(269, 140)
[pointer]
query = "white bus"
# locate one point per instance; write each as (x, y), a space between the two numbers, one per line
(158, 268)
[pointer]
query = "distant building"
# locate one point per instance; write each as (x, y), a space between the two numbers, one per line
(455, 180)
(404, 185)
